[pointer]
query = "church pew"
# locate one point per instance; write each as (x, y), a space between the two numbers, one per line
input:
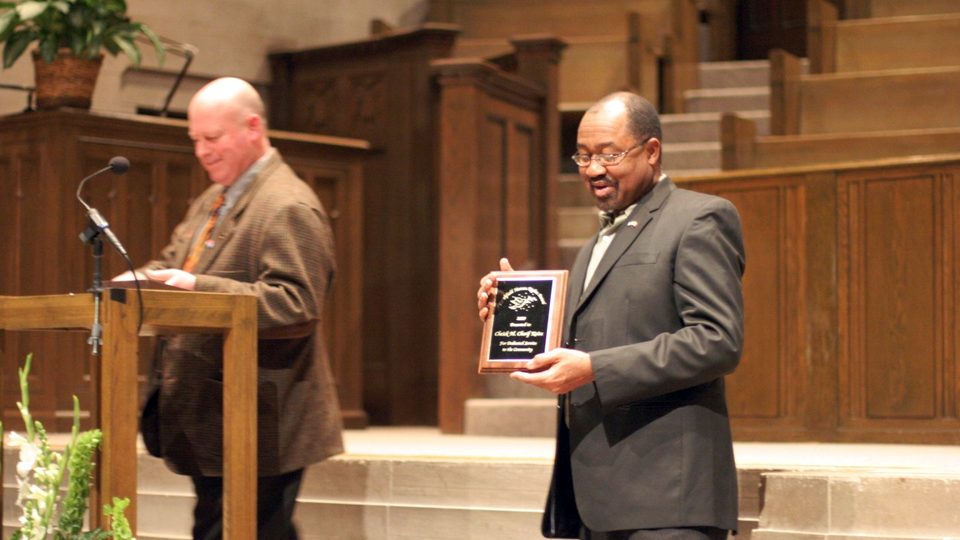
(742, 149)
(854, 102)
(867, 45)
(896, 8)
(636, 42)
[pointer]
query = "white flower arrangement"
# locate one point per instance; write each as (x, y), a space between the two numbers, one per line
(45, 513)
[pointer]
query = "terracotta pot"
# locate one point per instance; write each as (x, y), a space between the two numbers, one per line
(68, 81)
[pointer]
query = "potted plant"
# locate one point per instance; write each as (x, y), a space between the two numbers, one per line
(71, 36)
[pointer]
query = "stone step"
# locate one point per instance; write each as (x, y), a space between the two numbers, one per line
(734, 74)
(749, 98)
(571, 191)
(529, 417)
(414, 483)
(701, 155)
(865, 504)
(576, 222)
(705, 127)
(442, 487)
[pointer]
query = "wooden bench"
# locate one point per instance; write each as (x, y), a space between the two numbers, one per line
(742, 149)
(897, 8)
(861, 101)
(883, 43)
(636, 41)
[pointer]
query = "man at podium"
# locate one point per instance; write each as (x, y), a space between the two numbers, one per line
(258, 229)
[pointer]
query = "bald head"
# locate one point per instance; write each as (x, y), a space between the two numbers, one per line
(229, 93)
(643, 122)
(227, 125)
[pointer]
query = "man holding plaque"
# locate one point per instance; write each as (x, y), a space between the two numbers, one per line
(653, 321)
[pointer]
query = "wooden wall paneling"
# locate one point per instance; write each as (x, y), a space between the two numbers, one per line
(631, 41)
(48, 154)
(821, 300)
(681, 55)
(737, 141)
(785, 74)
(722, 28)
(765, 393)
(340, 191)
(895, 305)
(643, 49)
(585, 79)
(822, 19)
(489, 126)
(538, 61)
(461, 186)
(380, 89)
(951, 210)
(503, 18)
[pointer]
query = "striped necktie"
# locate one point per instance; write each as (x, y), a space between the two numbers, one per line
(200, 243)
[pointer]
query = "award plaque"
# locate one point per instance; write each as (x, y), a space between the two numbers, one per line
(526, 319)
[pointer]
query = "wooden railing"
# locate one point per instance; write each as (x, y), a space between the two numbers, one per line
(851, 293)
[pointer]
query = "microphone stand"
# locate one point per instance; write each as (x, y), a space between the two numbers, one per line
(28, 89)
(91, 235)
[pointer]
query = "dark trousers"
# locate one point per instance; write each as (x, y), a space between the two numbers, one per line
(689, 533)
(276, 497)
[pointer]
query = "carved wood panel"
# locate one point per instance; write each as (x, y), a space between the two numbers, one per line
(43, 156)
(897, 291)
(764, 393)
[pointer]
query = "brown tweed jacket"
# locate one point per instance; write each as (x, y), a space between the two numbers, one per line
(275, 243)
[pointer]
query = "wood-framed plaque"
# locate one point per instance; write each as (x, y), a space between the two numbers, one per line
(527, 319)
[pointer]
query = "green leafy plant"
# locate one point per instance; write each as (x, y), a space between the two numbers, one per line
(45, 512)
(86, 27)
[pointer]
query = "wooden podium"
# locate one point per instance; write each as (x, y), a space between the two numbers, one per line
(164, 312)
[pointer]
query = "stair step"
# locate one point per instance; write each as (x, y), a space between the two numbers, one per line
(749, 98)
(521, 417)
(734, 74)
(572, 191)
(700, 155)
(705, 127)
(874, 504)
(576, 222)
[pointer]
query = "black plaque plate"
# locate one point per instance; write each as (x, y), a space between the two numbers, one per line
(526, 319)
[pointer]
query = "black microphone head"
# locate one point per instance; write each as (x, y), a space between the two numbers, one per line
(119, 164)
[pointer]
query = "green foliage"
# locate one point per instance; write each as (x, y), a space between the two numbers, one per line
(118, 518)
(80, 468)
(86, 27)
(40, 475)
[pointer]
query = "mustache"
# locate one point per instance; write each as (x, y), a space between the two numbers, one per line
(603, 180)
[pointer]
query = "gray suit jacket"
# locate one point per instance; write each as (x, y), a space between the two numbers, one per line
(275, 243)
(663, 322)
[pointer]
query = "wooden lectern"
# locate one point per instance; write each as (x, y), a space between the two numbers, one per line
(164, 312)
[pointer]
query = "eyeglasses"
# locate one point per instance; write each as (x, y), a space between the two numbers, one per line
(605, 160)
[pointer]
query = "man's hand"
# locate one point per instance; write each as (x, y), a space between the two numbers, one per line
(128, 276)
(559, 371)
(174, 277)
(487, 293)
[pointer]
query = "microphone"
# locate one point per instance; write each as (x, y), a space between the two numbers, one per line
(117, 165)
